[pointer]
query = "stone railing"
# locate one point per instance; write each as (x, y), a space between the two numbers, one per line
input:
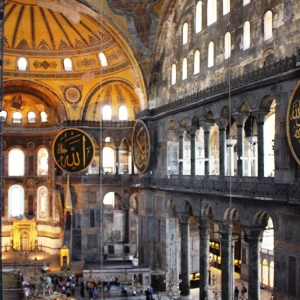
(99, 124)
(246, 187)
(257, 75)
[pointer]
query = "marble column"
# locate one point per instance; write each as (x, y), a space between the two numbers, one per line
(192, 131)
(185, 292)
(204, 258)
(127, 226)
(253, 267)
(240, 122)
(207, 128)
(180, 131)
(260, 117)
(117, 161)
(226, 261)
(222, 123)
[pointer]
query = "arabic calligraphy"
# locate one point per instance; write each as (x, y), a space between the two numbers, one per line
(73, 150)
(293, 123)
(141, 146)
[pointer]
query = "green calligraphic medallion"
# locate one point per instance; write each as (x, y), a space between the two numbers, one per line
(293, 123)
(73, 150)
(141, 146)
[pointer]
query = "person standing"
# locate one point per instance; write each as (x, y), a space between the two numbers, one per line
(236, 293)
(213, 279)
(243, 291)
(272, 297)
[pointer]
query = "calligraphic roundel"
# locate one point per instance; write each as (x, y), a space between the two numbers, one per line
(73, 150)
(141, 146)
(293, 123)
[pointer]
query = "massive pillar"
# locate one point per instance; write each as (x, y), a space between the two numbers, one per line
(226, 259)
(185, 292)
(253, 268)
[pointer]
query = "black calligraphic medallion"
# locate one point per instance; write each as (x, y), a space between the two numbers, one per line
(141, 146)
(293, 123)
(73, 150)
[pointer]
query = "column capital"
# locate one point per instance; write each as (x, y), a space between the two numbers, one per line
(253, 232)
(260, 115)
(184, 218)
(192, 129)
(222, 123)
(180, 131)
(206, 126)
(240, 118)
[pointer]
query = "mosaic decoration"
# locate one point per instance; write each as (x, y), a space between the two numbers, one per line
(288, 13)
(72, 93)
(45, 65)
(86, 62)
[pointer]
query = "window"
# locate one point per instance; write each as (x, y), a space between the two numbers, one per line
(106, 113)
(42, 159)
(16, 201)
(227, 45)
(123, 113)
(31, 117)
(68, 66)
(197, 62)
(184, 69)
(211, 11)
(198, 18)
(17, 117)
(268, 27)
(185, 33)
(42, 196)
(246, 35)
(173, 76)
(44, 117)
(226, 7)
(16, 162)
(22, 64)
(245, 2)
(109, 161)
(3, 115)
(103, 60)
(211, 54)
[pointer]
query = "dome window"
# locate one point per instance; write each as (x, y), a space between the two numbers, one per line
(22, 64)
(173, 75)
(68, 66)
(44, 117)
(185, 33)
(17, 117)
(103, 60)
(31, 117)
(3, 115)
(198, 19)
(106, 113)
(123, 113)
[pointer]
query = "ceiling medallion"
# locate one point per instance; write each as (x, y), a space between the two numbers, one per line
(141, 146)
(30, 145)
(30, 182)
(72, 94)
(73, 150)
(3, 144)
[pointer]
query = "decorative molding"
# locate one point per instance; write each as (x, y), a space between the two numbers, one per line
(288, 12)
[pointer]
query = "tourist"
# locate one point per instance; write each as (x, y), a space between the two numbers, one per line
(236, 293)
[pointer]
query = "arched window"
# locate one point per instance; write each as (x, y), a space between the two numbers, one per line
(184, 69)
(246, 35)
(106, 113)
(3, 115)
(197, 62)
(109, 161)
(198, 17)
(109, 199)
(16, 201)
(42, 196)
(226, 7)
(22, 64)
(173, 76)
(123, 113)
(44, 117)
(245, 2)
(42, 162)
(211, 54)
(68, 66)
(185, 33)
(31, 117)
(17, 117)
(211, 11)
(227, 45)
(16, 162)
(268, 26)
(103, 60)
